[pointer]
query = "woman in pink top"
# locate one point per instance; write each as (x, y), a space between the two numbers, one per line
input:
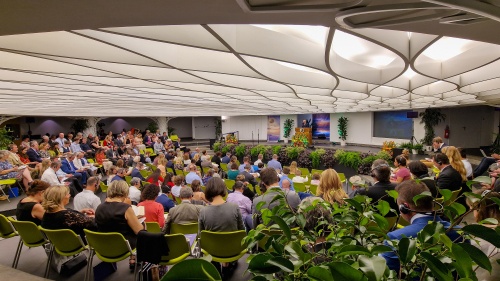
(153, 211)
(401, 173)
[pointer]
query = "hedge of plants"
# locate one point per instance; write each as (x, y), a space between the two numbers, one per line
(305, 157)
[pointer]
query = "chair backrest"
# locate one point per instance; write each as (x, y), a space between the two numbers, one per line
(299, 187)
(205, 170)
(316, 171)
(128, 179)
(29, 232)
(184, 228)
(313, 188)
(145, 173)
(170, 170)
(193, 269)
(222, 244)
(104, 187)
(229, 183)
(178, 246)
(174, 137)
(91, 160)
(153, 227)
(223, 166)
(342, 177)
(304, 172)
(108, 245)
(65, 241)
(6, 228)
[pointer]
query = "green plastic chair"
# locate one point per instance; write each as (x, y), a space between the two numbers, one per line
(316, 171)
(178, 249)
(145, 173)
(170, 170)
(108, 247)
(128, 179)
(184, 228)
(299, 187)
(8, 231)
(31, 237)
(229, 183)
(153, 227)
(66, 243)
(193, 269)
(104, 187)
(8, 183)
(151, 151)
(305, 172)
(223, 246)
(223, 166)
(205, 170)
(313, 188)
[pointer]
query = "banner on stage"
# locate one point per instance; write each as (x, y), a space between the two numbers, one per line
(273, 128)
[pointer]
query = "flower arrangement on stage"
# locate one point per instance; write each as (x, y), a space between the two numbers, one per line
(300, 140)
(388, 146)
(231, 139)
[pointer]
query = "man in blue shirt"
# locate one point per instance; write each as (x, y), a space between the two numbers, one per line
(192, 174)
(275, 164)
(164, 200)
(419, 215)
(69, 168)
(286, 172)
(226, 159)
(246, 161)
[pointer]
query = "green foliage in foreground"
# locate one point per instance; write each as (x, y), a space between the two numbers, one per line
(323, 241)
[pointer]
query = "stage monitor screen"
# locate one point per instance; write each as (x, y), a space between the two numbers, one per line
(392, 124)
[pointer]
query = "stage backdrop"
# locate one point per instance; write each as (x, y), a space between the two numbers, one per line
(321, 125)
(273, 128)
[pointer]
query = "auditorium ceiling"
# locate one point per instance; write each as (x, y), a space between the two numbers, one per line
(246, 57)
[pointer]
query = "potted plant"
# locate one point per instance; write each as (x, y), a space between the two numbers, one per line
(5, 138)
(418, 148)
(342, 127)
(287, 129)
(430, 118)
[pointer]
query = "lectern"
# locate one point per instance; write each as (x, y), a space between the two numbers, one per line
(305, 131)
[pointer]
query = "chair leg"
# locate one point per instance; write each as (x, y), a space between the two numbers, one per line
(18, 253)
(49, 260)
(88, 274)
(3, 192)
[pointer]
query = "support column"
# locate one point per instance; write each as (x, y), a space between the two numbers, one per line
(5, 118)
(162, 123)
(92, 129)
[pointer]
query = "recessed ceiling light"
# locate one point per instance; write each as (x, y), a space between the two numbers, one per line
(447, 48)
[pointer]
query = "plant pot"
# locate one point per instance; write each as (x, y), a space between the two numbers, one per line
(414, 151)
(428, 148)
(342, 143)
(285, 140)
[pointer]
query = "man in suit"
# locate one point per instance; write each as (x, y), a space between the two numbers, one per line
(378, 191)
(448, 178)
(32, 152)
(419, 215)
(68, 167)
(136, 171)
(112, 154)
(226, 159)
(438, 144)
(186, 212)
(270, 180)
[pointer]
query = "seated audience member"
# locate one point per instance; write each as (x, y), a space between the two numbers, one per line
(43, 150)
(120, 175)
(54, 150)
(155, 178)
(448, 178)
(298, 177)
(418, 214)
(246, 161)
(7, 171)
(259, 159)
(66, 147)
(220, 216)
(455, 161)
(293, 168)
(179, 182)
(270, 180)
(260, 166)
(438, 144)
(100, 155)
(56, 216)
(87, 198)
(330, 187)
(152, 209)
(233, 171)
(33, 154)
(136, 171)
(168, 181)
(193, 174)
(401, 173)
(378, 191)
(286, 186)
(226, 159)
(69, 168)
(246, 190)
(315, 179)
(465, 161)
(162, 164)
(243, 202)
(420, 171)
(356, 183)
(284, 176)
(86, 147)
(30, 208)
(274, 163)
(208, 176)
(248, 176)
(75, 145)
(198, 195)
(484, 209)
(134, 191)
(186, 212)
(112, 154)
(217, 158)
(114, 215)
(164, 200)
(158, 146)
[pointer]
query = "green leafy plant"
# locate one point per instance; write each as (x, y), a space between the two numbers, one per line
(430, 117)
(315, 157)
(258, 149)
(293, 152)
(276, 149)
(418, 146)
(287, 127)
(152, 127)
(407, 145)
(240, 150)
(218, 128)
(350, 159)
(217, 146)
(226, 148)
(342, 127)
(170, 130)
(80, 125)
(5, 138)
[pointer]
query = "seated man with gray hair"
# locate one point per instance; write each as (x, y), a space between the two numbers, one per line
(134, 192)
(186, 212)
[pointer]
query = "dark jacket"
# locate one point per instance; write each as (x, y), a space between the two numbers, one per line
(449, 178)
(33, 155)
(377, 192)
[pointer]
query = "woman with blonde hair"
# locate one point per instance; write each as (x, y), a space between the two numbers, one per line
(162, 163)
(330, 187)
(455, 160)
(45, 165)
(58, 217)
(293, 168)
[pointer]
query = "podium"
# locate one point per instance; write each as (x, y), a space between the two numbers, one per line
(305, 131)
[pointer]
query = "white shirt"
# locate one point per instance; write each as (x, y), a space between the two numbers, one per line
(50, 177)
(86, 199)
(78, 163)
(257, 162)
(300, 179)
(60, 141)
(134, 194)
(468, 167)
(176, 190)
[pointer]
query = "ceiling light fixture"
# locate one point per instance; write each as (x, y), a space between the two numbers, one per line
(447, 48)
